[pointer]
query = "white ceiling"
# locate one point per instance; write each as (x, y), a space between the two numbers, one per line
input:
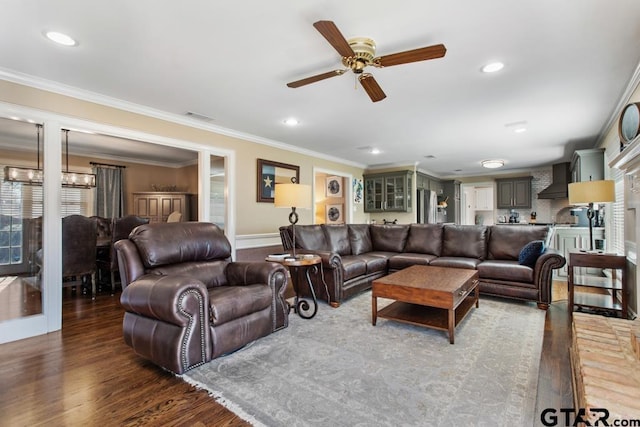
(567, 65)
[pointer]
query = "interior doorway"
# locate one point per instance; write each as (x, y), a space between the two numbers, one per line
(332, 196)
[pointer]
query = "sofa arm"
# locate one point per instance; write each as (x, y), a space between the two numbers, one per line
(543, 274)
(172, 299)
(271, 274)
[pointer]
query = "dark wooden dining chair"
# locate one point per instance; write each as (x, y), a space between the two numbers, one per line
(120, 229)
(79, 237)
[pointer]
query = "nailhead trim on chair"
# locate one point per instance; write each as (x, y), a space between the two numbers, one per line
(183, 352)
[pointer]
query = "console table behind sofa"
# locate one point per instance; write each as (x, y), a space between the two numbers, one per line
(353, 255)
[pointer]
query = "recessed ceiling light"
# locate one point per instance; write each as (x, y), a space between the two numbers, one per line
(375, 151)
(492, 164)
(493, 67)
(520, 130)
(60, 38)
(292, 122)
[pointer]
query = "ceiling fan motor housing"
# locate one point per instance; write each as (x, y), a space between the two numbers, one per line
(364, 49)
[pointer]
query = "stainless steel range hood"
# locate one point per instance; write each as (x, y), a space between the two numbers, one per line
(559, 186)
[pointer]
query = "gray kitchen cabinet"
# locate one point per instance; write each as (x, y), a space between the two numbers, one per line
(587, 165)
(568, 239)
(514, 193)
(426, 182)
(388, 192)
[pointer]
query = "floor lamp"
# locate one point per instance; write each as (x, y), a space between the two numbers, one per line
(293, 196)
(590, 192)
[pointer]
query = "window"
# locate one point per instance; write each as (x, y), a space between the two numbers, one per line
(10, 224)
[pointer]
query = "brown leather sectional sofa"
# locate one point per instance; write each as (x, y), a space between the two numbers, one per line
(186, 302)
(354, 255)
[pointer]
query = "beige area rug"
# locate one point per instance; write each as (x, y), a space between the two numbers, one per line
(338, 370)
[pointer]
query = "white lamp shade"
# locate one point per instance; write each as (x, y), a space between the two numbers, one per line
(585, 192)
(292, 196)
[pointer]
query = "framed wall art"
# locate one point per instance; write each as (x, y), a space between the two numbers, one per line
(358, 189)
(334, 214)
(270, 174)
(334, 186)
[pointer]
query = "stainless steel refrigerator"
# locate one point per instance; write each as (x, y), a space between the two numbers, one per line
(427, 203)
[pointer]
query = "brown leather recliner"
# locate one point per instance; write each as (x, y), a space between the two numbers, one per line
(186, 302)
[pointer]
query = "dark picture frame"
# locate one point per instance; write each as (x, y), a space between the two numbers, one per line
(269, 174)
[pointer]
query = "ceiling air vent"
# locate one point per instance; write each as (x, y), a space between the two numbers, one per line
(198, 116)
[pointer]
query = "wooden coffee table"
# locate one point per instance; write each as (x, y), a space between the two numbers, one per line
(435, 297)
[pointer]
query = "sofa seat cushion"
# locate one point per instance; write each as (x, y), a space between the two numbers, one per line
(353, 266)
(232, 302)
(505, 270)
(402, 261)
(376, 261)
(456, 262)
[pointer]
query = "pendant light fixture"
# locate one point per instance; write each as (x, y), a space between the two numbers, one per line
(32, 176)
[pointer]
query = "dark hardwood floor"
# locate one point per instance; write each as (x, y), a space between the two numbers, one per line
(86, 375)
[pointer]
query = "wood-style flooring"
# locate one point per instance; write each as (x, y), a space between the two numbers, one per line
(85, 375)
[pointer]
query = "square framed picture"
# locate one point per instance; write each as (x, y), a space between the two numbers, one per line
(271, 173)
(334, 214)
(334, 186)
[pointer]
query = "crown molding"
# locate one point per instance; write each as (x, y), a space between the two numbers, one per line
(624, 100)
(98, 98)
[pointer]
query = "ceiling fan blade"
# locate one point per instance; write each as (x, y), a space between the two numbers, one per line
(415, 55)
(372, 87)
(315, 78)
(335, 38)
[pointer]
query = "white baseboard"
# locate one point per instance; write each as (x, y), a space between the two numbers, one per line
(249, 241)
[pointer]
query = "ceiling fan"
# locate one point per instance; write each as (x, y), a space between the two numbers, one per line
(359, 52)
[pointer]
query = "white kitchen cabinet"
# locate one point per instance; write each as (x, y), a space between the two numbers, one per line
(484, 198)
(569, 239)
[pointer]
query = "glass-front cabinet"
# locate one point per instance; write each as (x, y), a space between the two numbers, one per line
(388, 192)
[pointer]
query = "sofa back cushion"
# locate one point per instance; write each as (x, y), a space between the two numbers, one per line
(360, 238)
(179, 242)
(311, 237)
(468, 241)
(425, 239)
(338, 239)
(506, 241)
(389, 238)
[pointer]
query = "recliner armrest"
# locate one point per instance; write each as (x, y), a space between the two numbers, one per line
(172, 299)
(543, 272)
(271, 274)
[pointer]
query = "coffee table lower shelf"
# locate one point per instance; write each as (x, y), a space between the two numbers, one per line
(430, 317)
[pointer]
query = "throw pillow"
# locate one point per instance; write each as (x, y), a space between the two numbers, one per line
(530, 252)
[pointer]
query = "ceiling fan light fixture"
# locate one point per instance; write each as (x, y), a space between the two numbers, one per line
(493, 67)
(492, 164)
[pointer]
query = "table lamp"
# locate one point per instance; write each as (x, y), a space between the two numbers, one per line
(294, 196)
(590, 192)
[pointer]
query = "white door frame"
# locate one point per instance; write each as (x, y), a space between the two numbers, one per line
(51, 317)
(348, 192)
